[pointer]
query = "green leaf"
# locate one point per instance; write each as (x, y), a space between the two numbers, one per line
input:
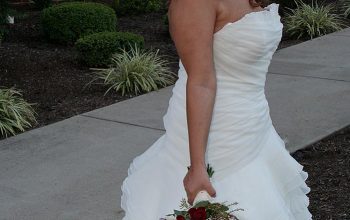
(201, 204)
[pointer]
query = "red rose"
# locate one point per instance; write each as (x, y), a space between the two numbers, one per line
(180, 217)
(198, 213)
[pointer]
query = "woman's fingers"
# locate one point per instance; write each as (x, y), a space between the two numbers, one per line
(211, 191)
(191, 194)
(190, 200)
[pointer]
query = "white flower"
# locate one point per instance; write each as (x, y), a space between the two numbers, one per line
(202, 196)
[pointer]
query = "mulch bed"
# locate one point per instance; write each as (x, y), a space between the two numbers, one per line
(49, 75)
(328, 165)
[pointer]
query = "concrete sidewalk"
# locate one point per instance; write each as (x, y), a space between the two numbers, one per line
(73, 169)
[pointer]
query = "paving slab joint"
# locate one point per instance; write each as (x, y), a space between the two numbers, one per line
(121, 122)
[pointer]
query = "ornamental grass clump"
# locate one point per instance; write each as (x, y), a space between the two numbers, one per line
(135, 71)
(310, 21)
(345, 7)
(15, 113)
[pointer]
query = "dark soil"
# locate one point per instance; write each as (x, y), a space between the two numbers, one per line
(50, 76)
(328, 165)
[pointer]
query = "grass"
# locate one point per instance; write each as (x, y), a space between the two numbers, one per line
(310, 21)
(15, 113)
(135, 71)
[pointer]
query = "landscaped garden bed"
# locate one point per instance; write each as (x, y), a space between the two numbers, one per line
(50, 74)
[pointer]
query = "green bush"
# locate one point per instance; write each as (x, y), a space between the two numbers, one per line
(128, 7)
(41, 4)
(309, 21)
(97, 49)
(67, 22)
(4, 11)
(15, 113)
(135, 71)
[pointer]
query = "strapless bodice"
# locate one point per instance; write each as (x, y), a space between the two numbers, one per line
(243, 50)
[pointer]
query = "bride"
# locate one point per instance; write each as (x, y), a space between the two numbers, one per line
(218, 115)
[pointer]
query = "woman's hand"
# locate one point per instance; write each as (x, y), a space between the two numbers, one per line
(197, 179)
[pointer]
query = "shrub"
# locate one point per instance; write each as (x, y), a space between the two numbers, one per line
(309, 21)
(67, 22)
(97, 49)
(123, 7)
(135, 71)
(41, 4)
(15, 113)
(4, 11)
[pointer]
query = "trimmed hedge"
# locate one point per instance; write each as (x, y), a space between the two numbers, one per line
(67, 22)
(97, 49)
(127, 7)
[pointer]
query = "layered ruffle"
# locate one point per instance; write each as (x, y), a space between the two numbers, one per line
(270, 187)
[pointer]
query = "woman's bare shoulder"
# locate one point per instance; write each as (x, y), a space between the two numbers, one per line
(191, 25)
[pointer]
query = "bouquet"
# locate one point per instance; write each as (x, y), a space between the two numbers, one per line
(204, 208)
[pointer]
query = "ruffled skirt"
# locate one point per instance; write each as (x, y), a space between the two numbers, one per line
(271, 186)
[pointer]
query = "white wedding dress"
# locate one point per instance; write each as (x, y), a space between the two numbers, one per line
(251, 164)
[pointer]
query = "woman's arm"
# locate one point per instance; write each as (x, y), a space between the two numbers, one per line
(191, 25)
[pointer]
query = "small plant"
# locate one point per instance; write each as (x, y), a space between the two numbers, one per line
(345, 7)
(135, 71)
(127, 7)
(96, 49)
(310, 21)
(67, 22)
(15, 113)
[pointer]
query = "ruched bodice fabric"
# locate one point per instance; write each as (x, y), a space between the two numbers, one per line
(243, 146)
